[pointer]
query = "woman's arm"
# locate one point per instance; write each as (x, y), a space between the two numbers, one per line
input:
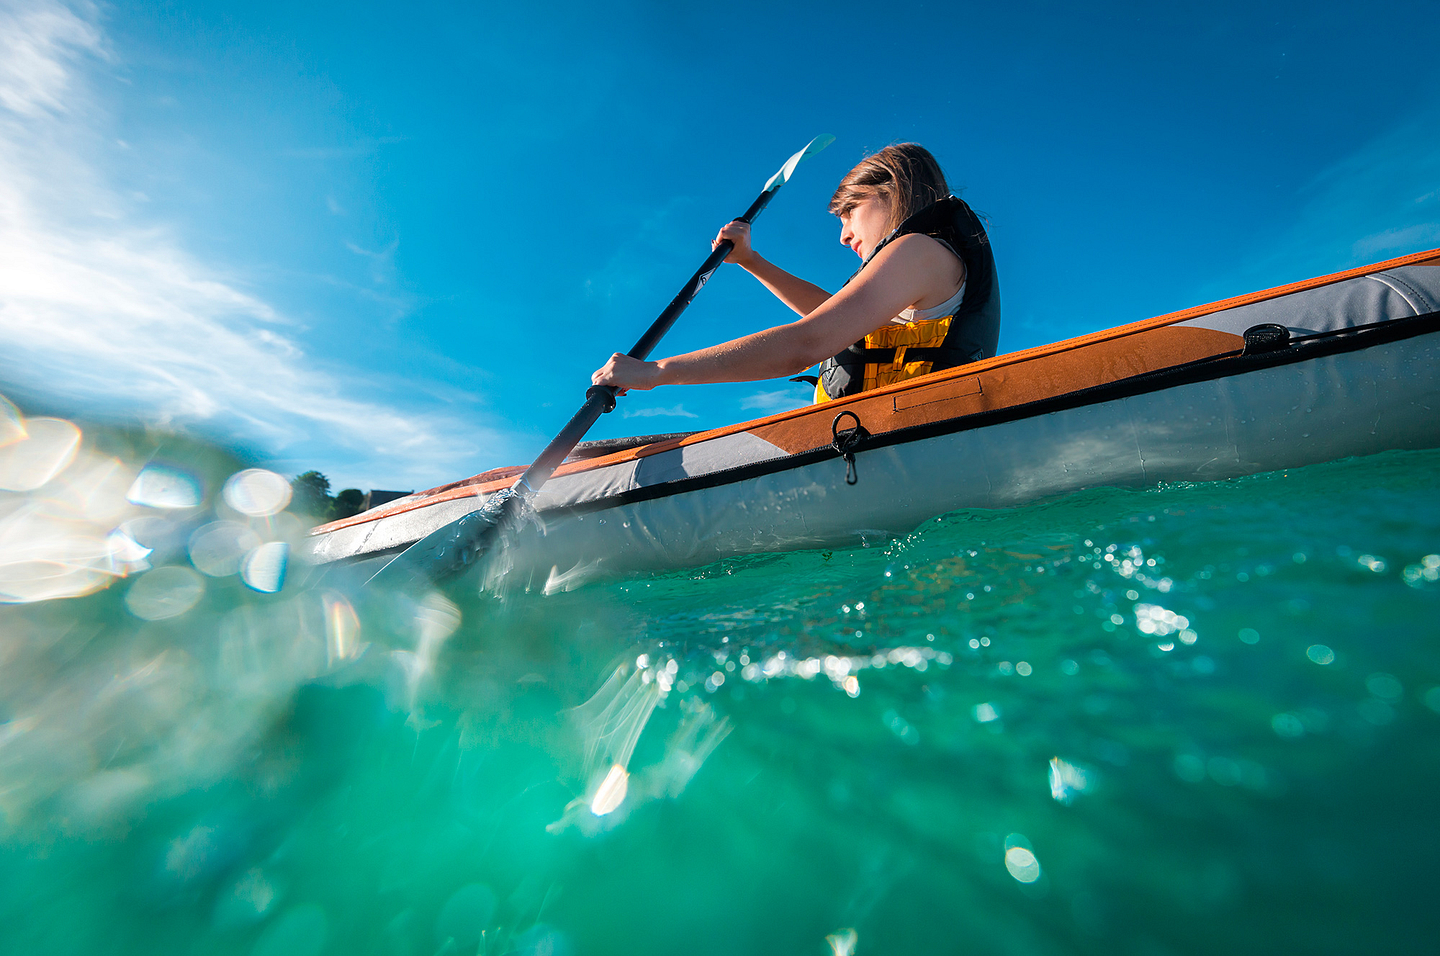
(801, 296)
(899, 275)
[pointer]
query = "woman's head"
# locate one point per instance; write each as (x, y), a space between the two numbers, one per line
(905, 177)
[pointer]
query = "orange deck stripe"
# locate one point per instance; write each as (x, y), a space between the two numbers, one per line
(1430, 257)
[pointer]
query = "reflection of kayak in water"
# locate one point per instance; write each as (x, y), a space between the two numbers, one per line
(1347, 364)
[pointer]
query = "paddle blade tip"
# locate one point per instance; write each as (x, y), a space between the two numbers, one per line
(819, 143)
(811, 148)
(458, 546)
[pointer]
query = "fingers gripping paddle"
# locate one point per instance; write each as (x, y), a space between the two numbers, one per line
(463, 542)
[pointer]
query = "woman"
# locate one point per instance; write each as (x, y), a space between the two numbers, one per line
(925, 297)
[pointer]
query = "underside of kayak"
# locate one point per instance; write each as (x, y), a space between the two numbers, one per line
(1342, 365)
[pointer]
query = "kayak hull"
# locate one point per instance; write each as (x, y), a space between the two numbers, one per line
(1178, 401)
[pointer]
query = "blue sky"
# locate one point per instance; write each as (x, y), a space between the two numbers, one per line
(391, 241)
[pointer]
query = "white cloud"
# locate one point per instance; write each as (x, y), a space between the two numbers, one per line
(674, 411)
(104, 310)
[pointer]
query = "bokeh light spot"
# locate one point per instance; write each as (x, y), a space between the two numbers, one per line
(12, 423)
(1287, 725)
(611, 792)
(1376, 711)
(1384, 686)
(159, 486)
(1189, 767)
(1320, 654)
(48, 447)
(263, 569)
(257, 492)
(842, 942)
(1022, 864)
(1067, 780)
(218, 548)
(164, 593)
(342, 629)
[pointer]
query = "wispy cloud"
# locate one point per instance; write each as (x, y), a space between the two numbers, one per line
(1377, 202)
(674, 411)
(779, 400)
(382, 261)
(39, 44)
(102, 309)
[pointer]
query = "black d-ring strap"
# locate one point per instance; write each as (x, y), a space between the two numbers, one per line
(847, 442)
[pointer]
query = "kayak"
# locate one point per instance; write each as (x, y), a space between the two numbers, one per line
(1332, 367)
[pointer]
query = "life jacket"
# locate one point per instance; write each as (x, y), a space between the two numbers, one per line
(897, 352)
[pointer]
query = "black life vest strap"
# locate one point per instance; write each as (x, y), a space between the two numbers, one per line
(934, 353)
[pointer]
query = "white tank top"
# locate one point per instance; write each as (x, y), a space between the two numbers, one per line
(945, 308)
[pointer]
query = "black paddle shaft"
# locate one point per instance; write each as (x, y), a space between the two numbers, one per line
(600, 399)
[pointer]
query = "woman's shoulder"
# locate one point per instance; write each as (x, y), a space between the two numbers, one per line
(917, 251)
(928, 269)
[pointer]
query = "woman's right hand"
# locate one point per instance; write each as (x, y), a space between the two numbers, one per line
(739, 235)
(626, 373)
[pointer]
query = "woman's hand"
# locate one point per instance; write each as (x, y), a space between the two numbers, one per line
(626, 373)
(739, 234)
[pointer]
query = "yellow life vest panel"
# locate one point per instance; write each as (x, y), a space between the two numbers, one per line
(929, 333)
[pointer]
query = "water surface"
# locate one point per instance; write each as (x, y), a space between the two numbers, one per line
(1193, 719)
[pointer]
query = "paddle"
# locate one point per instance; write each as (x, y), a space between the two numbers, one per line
(451, 549)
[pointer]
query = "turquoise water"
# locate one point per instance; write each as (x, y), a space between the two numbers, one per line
(1193, 719)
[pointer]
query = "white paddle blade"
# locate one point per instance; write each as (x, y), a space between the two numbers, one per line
(813, 147)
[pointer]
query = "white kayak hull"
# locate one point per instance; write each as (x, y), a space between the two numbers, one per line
(1362, 376)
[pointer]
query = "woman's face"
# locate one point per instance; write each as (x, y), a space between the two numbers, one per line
(865, 224)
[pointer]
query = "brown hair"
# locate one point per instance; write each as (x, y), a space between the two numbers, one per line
(905, 175)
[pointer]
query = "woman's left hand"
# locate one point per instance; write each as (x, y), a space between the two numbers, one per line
(627, 373)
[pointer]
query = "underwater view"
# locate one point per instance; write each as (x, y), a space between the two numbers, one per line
(1196, 718)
